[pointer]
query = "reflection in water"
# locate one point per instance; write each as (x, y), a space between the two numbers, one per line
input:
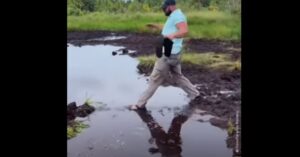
(168, 144)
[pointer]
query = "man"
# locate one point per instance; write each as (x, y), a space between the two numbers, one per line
(174, 29)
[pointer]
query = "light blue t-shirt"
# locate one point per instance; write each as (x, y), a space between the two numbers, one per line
(170, 27)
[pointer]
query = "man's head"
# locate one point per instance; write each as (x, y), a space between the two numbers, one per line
(168, 6)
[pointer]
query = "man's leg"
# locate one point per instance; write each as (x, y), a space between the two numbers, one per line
(183, 82)
(157, 76)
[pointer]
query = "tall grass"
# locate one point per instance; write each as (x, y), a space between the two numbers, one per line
(202, 24)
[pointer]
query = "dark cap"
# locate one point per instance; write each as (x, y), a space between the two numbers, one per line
(167, 3)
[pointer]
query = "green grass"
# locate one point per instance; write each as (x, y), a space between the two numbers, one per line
(208, 60)
(147, 61)
(88, 102)
(75, 128)
(202, 24)
(230, 128)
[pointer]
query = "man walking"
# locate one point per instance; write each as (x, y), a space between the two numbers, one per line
(175, 29)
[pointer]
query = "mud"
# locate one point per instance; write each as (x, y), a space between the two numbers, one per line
(144, 43)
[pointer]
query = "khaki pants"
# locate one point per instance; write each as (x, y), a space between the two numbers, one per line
(164, 68)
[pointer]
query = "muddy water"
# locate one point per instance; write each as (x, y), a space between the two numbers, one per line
(169, 127)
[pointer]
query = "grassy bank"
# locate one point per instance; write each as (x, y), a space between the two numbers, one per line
(202, 24)
(208, 60)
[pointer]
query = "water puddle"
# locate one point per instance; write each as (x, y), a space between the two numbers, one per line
(169, 127)
(108, 38)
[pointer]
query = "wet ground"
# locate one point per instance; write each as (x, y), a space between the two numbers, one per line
(199, 127)
(143, 43)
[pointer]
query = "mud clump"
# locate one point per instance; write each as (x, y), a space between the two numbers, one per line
(74, 111)
(84, 110)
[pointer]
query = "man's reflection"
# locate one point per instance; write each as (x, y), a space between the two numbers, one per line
(168, 144)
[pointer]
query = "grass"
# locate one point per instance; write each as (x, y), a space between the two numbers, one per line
(202, 24)
(147, 61)
(88, 102)
(230, 128)
(96, 104)
(75, 128)
(208, 60)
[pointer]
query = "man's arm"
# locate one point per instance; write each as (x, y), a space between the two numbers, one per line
(182, 31)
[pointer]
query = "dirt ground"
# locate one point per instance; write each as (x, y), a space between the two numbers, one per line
(143, 43)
